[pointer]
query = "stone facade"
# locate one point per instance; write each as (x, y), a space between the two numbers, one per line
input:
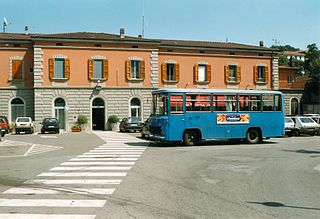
(79, 101)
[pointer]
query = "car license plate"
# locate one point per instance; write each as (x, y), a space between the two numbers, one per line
(133, 124)
(51, 126)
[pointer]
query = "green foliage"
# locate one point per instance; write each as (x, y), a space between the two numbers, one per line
(285, 48)
(283, 61)
(82, 119)
(312, 68)
(113, 119)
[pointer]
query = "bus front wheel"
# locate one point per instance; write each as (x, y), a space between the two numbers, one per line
(191, 138)
(253, 136)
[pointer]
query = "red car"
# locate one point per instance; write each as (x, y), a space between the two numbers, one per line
(4, 126)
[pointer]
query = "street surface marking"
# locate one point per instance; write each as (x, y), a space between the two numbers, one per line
(90, 168)
(115, 152)
(46, 216)
(39, 191)
(103, 159)
(83, 174)
(110, 155)
(96, 163)
(52, 203)
(19, 190)
(38, 149)
(80, 181)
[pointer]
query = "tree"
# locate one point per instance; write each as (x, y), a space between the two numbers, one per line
(283, 61)
(285, 48)
(312, 68)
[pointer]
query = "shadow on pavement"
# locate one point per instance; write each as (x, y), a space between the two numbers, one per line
(278, 204)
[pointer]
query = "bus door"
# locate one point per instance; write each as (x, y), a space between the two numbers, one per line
(177, 117)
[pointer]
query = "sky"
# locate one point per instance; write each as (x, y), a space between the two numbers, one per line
(280, 22)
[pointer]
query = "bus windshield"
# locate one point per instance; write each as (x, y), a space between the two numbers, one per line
(160, 104)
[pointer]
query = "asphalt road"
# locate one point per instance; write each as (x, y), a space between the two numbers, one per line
(277, 179)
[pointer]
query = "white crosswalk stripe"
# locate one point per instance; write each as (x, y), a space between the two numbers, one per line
(96, 172)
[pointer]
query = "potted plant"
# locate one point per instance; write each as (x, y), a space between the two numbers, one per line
(78, 125)
(113, 120)
(11, 127)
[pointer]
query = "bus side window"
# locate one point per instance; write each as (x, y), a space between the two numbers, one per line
(176, 104)
(278, 102)
(268, 102)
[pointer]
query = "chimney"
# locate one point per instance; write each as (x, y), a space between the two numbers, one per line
(121, 33)
(26, 30)
(261, 43)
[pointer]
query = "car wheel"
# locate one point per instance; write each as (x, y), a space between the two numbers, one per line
(58, 131)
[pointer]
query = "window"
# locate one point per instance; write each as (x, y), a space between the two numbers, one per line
(268, 102)
(59, 68)
(17, 109)
(170, 72)
(250, 103)
(232, 74)
(261, 74)
(202, 73)
(170, 75)
(289, 79)
(199, 102)
(160, 103)
(59, 112)
(135, 70)
(294, 108)
(225, 103)
(176, 104)
(135, 107)
(98, 69)
(16, 69)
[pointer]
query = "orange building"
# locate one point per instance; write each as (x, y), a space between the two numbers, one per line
(98, 74)
(292, 86)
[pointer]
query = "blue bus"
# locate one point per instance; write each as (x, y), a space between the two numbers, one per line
(194, 115)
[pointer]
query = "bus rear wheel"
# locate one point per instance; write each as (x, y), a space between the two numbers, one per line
(253, 136)
(191, 138)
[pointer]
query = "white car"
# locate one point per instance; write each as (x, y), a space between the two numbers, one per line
(305, 125)
(289, 126)
(24, 124)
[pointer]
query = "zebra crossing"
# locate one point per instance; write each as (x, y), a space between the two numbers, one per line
(83, 182)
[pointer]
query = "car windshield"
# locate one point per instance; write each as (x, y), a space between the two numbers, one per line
(160, 104)
(23, 120)
(288, 120)
(135, 120)
(51, 120)
(306, 120)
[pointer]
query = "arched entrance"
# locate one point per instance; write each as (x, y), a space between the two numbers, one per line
(17, 108)
(59, 112)
(294, 110)
(98, 115)
(135, 107)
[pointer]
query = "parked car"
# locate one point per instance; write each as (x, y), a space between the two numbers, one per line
(145, 132)
(24, 124)
(305, 125)
(4, 126)
(130, 124)
(316, 118)
(50, 125)
(289, 126)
